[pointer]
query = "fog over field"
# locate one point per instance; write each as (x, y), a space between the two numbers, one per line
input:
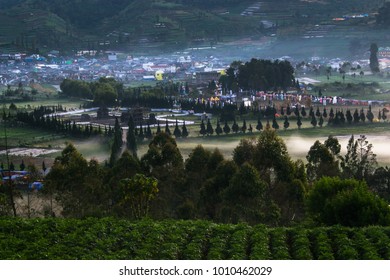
(299, 146)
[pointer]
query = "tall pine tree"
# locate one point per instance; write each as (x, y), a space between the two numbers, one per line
(131, 142)
(184, 132)
(177, 131)
(117, 143)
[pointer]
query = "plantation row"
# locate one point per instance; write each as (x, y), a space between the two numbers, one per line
(177, 240)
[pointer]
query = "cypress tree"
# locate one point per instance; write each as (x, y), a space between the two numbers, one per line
(184, 132)
(43, 167)
(342, 117)
(218, 129)
(158, 127)
(117, 143)
(203, 130)
(313, 121)
(288, 110)
(167, 130)
(374, 63)
(209, 128)
(243, 128)
(331, 113)
(177, 131)
(131, 142)
(370, 115)
(321, 121)
(86, 131)
(149, 133)
(275, 124)
(356, 116)
(235, 127)
(349, 116)
(296, 111)
(22, 166)
(250, 129)
(384, 117)
(318, 114)
(259, 125)
(311, 112)
(336, 119)
(141, 134)
(362, 115)
(286, 123)
(325, 113)
(226, 128)
(299, 121)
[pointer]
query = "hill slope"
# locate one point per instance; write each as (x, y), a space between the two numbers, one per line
(127, 24)
(56, 24)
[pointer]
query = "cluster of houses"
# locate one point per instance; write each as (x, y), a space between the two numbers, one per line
(53, 68)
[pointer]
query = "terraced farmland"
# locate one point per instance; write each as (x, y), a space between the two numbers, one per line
(184, 240)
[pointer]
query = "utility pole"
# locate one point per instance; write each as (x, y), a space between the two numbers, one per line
(10, 189)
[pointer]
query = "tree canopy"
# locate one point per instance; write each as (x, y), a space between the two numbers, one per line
(260, 75)
(346, 202)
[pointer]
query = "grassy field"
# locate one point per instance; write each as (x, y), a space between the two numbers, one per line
(47, 96)
(366, 87)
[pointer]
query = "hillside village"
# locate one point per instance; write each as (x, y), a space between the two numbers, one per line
(190, 66)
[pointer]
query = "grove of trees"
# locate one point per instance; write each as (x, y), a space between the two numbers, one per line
(259, 75)
(259, 184)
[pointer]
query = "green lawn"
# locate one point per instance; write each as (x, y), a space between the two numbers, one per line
(25, 136)
(368, 87)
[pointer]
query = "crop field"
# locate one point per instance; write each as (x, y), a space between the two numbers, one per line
(185, 240)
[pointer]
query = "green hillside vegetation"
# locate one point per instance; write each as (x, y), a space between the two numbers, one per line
(94, 23)
(105, 239)
(98, 24)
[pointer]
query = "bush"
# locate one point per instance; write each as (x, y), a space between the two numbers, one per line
(346, 202)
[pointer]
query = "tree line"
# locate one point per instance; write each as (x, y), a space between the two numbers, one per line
(109, 92)
(259, 184)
